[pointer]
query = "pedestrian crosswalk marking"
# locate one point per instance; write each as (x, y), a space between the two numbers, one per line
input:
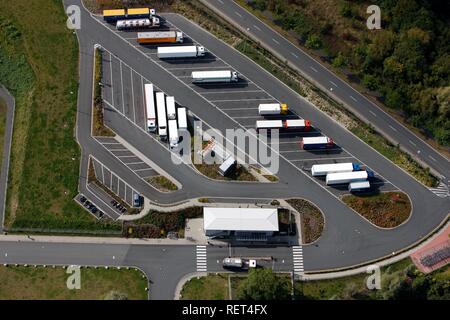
(441, 190)
(297, 254)
(201, 256)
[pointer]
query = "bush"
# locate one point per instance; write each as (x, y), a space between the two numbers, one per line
(313, 42)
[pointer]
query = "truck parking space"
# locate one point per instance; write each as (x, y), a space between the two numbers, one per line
(236, 100)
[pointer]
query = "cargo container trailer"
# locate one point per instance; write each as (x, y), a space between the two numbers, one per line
(173, 134)
(137, 23)
(311, 143)
(171, 111)
(182, 118)
(161, 110)
(151, 37)
(348, 177)
(359, 186)
(150, 107)
(272, 109)
(324, 169)
(214, 76)
(180, 52)
(111, 16)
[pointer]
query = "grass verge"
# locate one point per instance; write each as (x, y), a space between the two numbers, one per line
(162, 183)
(386, 210)
(211, 22)
(98, 126)
(400, 280)
(312, 220)
(211, 287)
(29, 283)
(39, 66)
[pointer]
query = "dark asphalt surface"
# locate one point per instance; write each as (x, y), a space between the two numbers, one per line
(348, 239)
(341, 90)
(10, 108)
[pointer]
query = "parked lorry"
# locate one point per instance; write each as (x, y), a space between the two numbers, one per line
(214, 76)
(324, 169)
(227, 166)
(311, 143)
(138, 23)
(173, 134)
(181, 52)
(359, 186)
(140, 13)
(162, 119)
(266, 109)
(182, 118)
(111, 16)
(150, 107)
(239, 263)
(348, 177)
(151, 37)
(291, 124)
(170, 105)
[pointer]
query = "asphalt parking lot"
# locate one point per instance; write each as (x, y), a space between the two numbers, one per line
(239, 101)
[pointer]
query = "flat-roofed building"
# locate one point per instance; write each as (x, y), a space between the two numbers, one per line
(244, 224)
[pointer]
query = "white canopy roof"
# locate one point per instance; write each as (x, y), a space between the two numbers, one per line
(240, 219)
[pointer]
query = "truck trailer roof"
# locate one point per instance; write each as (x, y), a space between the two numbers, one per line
(212, 74)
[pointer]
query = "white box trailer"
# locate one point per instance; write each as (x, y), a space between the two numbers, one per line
(347, 177)
(359, 186)
(138, 23)
(272, 109)
(310, 143)
(170, 105)
(269, 124)
(324, 169)
(293, 124)
(173, 133)
(150, 107)
(180, 52)
(182, 118)
(227, 166)
(162, 119)
(214, 76)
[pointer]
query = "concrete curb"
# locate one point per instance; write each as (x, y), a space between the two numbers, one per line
(184, 280)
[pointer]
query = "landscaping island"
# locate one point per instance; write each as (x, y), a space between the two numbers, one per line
(312, 220)
(385, 210)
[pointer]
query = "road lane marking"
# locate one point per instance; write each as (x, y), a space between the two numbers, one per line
(296, 56)
(275, 41)
(373, 113)
(353, 98)
(432, 158)
(334, 84)
(392, 128)
(313, 69)
(238, 14)
(256, 27)
(415, 145)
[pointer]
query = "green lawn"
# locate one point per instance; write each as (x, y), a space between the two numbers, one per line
(212, 287)
(2, 127)
(39, 65)
(18, 283)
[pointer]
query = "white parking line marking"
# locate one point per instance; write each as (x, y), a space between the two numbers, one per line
(121, 83)
(238, 100)
(112, 86)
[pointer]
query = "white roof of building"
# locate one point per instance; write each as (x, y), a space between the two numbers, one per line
(240, 219)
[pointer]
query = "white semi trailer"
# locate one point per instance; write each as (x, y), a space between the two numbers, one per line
(214, 76)
(348, 177)
(171, 111)
(324, 169)
(150, 107)
(162, 119)
(173, 134)
(182, 118)
(267, 109)
(180, 52)
(153, 22)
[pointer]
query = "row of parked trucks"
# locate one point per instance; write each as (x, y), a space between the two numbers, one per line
(162, 115)
(356, 175)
